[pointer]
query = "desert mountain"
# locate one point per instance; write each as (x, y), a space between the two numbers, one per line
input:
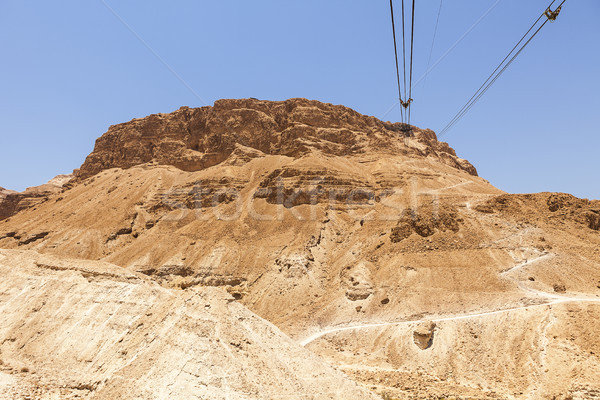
(195, 139)
(11, 202)
(370, 243)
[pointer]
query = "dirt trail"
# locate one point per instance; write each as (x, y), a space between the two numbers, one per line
(552, 300)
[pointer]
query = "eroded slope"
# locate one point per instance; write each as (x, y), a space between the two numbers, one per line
(351, 237)
(73, 328)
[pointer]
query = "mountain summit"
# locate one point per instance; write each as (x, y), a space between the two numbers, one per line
(184, 236)
(193, 139)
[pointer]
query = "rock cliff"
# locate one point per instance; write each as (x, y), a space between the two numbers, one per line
(193, 139)
(11, 202)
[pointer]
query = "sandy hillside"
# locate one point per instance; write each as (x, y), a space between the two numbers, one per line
(378, 249)
(86, 329)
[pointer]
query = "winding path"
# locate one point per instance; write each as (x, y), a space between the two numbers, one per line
(552, 299)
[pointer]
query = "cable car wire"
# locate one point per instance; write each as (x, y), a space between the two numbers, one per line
(412, 37)
(437, 22)
(397, 66)
(463, 36)
(404, 48)
(495, 74)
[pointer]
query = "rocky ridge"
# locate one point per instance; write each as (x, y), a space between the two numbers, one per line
(11, 202)
(194, 139)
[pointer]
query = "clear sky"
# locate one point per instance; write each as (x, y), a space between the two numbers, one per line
(70, 69)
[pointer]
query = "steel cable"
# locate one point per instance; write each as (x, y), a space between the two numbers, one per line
(495, 74)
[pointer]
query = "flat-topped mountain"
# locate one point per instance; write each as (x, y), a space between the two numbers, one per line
(193, 139)
(372, 245)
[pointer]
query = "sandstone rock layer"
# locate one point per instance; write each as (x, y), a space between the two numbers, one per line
(193, 139)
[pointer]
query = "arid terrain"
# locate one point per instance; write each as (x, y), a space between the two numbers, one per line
(294, 249)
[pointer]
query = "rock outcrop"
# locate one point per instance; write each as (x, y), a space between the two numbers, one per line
(550, 206)
(193, 139)
(11, 202)
(423, 335)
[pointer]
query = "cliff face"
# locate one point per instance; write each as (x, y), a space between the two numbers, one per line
(193, 139)
(11, 202)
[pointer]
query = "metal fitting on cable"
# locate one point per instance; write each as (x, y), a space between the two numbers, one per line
(406, 103)
(552, 14)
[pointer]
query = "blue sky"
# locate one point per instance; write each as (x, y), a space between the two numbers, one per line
(70, 69)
